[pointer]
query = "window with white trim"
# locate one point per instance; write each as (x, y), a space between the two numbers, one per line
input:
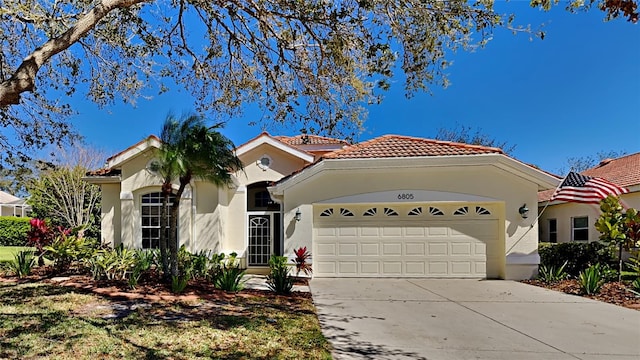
(553, 230)
(580, 228)
(150, 219)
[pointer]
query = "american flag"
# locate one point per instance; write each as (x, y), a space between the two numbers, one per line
(586, 189)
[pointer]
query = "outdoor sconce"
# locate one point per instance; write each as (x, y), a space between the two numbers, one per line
(524, 211)
(298, 215)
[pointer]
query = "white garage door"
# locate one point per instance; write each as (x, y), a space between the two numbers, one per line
(399, 240)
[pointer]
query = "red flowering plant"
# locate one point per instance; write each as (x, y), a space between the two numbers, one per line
(302, 255)
(40, 235)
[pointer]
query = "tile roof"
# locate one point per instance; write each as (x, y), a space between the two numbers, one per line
(623, 171)
(104, 172)
(389, 146)
(133, 146)
(310, 140)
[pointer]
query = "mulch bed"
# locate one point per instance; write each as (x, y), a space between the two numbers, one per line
(613, 293)
(150, 288)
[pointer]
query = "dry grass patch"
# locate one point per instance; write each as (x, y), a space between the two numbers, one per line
(45, 320)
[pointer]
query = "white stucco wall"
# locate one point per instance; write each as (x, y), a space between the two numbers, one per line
(564, 212)
(519, 237)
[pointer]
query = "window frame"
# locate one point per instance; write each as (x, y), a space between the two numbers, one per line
(552, 233)
(155, 201)
(574, 228)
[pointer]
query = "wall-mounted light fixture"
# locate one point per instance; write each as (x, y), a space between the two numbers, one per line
(524, 211)
(298, 215)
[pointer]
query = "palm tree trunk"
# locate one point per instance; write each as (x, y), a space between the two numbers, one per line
(163, 241)
(173, 238)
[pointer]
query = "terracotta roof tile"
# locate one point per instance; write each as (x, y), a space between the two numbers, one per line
(623, 171)
(134, 146)
(310, 140)
(388, 146)
(104, 172)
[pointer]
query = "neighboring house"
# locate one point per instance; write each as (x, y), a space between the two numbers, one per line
(393, 206)
(567, 221)
(13, 206)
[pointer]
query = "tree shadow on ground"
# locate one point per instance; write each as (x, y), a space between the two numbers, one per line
(350, 344)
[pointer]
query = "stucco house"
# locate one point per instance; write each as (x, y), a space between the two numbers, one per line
(393, 206)
(567, 221)
(13, 206)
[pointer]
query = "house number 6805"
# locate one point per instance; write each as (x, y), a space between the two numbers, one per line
(405, 196)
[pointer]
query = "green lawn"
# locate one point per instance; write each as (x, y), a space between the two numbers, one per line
(42, 320)
(7, 253)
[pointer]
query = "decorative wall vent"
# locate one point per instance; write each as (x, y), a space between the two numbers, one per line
(462, 211)
(417, 211)
(390, 212)
(345, 212)
(327, 212)
(370, 212)
(482, 211)
(435, 211)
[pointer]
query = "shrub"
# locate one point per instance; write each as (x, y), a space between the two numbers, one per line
(13, 230)
(279, 279)
(230, 276)
(179, 283)
(41, 235)
(578, 256)
(552, 274)
(22, 263)
(591, 279)
(66, 249)
(302, 255)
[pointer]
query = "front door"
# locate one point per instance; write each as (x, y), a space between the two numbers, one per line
(260, 239)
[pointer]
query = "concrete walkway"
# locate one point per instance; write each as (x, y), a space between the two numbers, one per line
(469, 319)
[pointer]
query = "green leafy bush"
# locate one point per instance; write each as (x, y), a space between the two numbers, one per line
(13, 230)
(552, 274)
(591, 279)
(279, 279)
(230, 276)
(179, 283)
(577, 256)
(22, 263)
(66, 249)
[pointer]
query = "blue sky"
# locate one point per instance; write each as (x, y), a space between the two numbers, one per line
(575, 93)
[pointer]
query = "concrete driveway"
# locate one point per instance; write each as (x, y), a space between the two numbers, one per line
(469, 319)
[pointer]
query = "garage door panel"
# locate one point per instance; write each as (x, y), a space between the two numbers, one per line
(326, 249)
(392, 231)
(370, 267)
(347, 249)
(438, 249)
(347, 231)
(415, 268)
(414, 232)
(437, 231)
(460, 248)
(415, 246)
(414, 249)
(370, 231)
(392, 268)
(370, 249)
(392, 249)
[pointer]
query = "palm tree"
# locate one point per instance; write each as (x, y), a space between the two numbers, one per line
(190, 150)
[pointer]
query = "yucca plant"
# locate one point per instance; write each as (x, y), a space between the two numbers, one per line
(22, 263)
(591, 279)
(231, 278)
(552, 274)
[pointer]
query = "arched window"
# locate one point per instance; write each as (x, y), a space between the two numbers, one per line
(150, 218)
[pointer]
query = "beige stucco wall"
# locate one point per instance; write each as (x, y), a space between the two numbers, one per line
(519, 238)
(110, 214)
(235, 237)
(564, 212)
